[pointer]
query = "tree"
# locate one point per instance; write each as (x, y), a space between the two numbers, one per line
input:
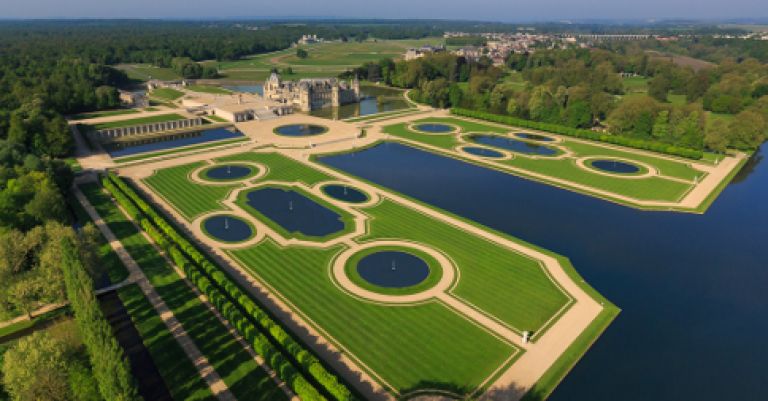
(633, 116)
(35, 368)
(716, 138)
(661, 125)
(301, 53)
(47, 204)
(658, 88)
(748, 130)
(697, 86)
(578, 115)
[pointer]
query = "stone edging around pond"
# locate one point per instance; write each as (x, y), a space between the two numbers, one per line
(197, 175)
(412, 127)
(650, 171)
(340, 278)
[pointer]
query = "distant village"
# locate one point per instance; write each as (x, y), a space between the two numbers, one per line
(498, 46)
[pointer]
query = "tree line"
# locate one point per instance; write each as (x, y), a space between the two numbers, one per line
(588, 89)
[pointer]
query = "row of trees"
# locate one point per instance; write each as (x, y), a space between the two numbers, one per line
(292, 362)
(110, 368)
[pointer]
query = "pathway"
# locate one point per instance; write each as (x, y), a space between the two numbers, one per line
(201, 363)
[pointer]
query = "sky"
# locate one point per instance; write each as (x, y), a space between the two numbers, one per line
(485, 10)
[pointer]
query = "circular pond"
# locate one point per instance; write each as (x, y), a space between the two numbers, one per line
(434, 128)
(345, 193)
(393, 269)
(228, 172)
(300, 130)
(615, 166)
(514, 145)
(483, 152)
(228, 228)
(534, 137)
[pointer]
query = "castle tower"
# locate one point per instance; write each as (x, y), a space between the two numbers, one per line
(335, 101)
(305, 97)
(356, 88)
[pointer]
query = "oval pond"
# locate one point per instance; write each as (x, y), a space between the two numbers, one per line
(615, 166)
(393, 269)
(300, 130)
(345, 193)
(228, 228)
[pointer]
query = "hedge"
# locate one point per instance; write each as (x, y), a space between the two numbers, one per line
(228, 297)
(110, 367)
(654, 146)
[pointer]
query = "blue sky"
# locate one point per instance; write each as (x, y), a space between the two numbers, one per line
(496, 10)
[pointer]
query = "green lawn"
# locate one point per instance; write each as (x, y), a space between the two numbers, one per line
(217, 90)
(190, 199)
(281, 168)
(216, 119)
(104, 113)
(167, 94)
(143, 72)
(138, 121)
(408, 346)
(512, 287)
(234, 364)
(635, 84)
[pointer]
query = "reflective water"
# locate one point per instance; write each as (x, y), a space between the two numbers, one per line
(434, 127)
(345, 193)
(228, 172)
(392, 269)
(692, 288)
(156, 143)
(375, 100)
(513, 145)
(300, 130)
(257, 89)
(228, 228)
(534, 137)
(484, 152)
(614, 166)
(295, 212)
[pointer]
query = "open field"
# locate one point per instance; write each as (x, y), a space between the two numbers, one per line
(246, 380)
(325, 59)
(459, 356)
(216, 90)
(144, 72)
(674, 178)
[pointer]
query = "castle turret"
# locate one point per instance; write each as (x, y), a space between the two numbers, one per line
(335, 97)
